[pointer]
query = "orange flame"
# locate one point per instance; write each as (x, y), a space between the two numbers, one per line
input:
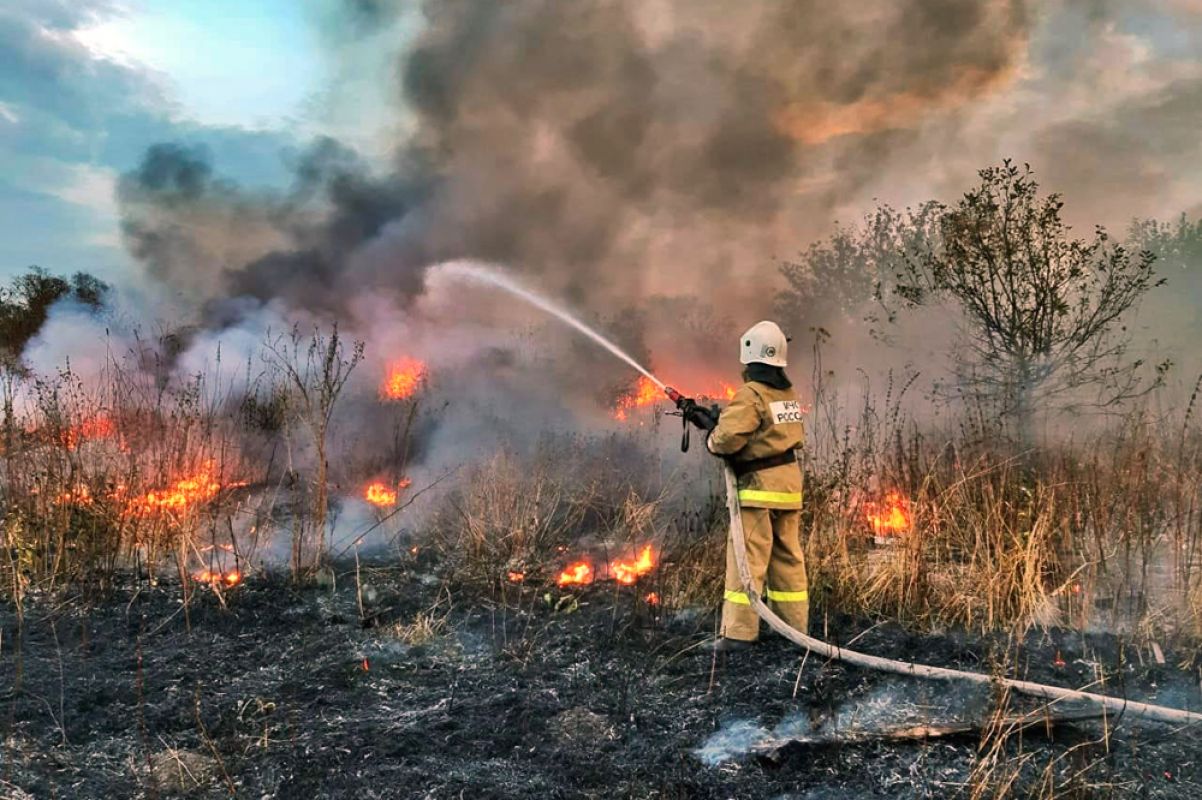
(629, 572)
(652, 599)
(579, 573)
(100, 426)
(404, 377)
(725, 391)
(214, 577)
(382, 494)
(79, 496)
(516, 577)
(181, 495)
(645, 393)
(890, 517)
(378, 494)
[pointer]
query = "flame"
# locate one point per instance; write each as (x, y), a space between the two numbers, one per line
(580, 572)
(516, 577)
(405, 376)
(100, 426)
(629, 572)
(382, 494)
(652, 599)
(378, 494)
(182, 494)
(216, 577)
(725, 391)
(645, 393)
(79, 496)
(891, 516)
(624, 571)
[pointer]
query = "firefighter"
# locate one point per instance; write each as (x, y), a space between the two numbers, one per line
(759, 432)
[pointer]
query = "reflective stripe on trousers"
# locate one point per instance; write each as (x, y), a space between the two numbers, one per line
(761, 496)
(776, 561)
(740, 597)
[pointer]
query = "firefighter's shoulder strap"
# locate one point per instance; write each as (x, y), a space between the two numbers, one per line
(742, 468)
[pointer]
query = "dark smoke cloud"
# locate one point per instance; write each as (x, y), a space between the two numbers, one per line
(611, 151)
(197, 231)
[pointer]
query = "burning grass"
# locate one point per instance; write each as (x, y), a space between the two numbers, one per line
(385, 495)
(935, 530)
(404, 378)
(646, 394)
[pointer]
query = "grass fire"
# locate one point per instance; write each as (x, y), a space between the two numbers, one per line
(601, 399)
(403, 379)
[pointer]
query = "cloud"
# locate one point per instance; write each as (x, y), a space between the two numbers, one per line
(70, 121)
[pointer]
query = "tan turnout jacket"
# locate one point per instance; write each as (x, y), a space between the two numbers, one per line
(762, 421)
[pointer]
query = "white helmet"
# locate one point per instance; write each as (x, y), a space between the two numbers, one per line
(764, 343)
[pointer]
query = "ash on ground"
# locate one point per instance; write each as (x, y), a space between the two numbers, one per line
(277, 691)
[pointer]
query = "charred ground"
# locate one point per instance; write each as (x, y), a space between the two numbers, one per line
(276, 691)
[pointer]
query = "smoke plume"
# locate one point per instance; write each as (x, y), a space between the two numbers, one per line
(612, 152)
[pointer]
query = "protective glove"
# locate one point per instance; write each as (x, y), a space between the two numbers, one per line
(704, 418)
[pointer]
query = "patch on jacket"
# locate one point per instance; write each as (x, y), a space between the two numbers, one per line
(785, 411)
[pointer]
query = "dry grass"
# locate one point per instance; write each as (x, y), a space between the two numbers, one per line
(1000, 538)
(425, 627)
(123, 471)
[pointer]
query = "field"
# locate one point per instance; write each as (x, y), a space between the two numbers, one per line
(283, 692)
(531, 623)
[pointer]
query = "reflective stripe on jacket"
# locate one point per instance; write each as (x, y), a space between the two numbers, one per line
(759, 422)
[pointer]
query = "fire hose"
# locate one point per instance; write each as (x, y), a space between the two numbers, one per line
(1055, 694)
(707, 418)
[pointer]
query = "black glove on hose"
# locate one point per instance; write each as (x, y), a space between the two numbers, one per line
(704, 418)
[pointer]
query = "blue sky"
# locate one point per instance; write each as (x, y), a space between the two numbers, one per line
(226, 62)
(87, 85)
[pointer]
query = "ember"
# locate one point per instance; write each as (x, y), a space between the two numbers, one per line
(403, 380)
(80, 496)
(890, 517)
(580, 572)
(629, 572)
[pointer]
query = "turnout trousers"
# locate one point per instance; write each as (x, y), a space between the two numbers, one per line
(774, 555)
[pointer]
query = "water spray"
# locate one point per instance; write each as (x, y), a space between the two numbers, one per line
(480, 273)
(688, 408)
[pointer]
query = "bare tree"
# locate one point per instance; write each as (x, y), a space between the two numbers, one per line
(317, 367)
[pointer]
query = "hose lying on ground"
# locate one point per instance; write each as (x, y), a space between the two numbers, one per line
(817, 646)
